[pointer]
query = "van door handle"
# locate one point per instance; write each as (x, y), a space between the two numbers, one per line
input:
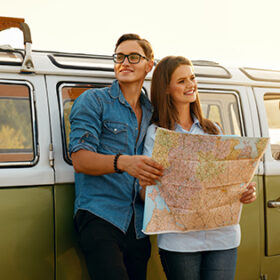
(273, 203)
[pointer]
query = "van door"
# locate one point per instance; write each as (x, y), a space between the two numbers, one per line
(62, 91)
(268, 102)
(26, 185)
(230, 106)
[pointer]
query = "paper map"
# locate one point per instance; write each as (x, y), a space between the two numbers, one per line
(202, 183)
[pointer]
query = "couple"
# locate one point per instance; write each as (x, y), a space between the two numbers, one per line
(108, 129)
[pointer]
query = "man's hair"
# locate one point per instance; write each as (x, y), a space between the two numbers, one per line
(143, 43)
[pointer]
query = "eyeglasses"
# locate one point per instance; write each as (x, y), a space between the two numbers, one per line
(133, 58)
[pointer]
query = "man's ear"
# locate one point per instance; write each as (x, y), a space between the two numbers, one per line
(149, 66)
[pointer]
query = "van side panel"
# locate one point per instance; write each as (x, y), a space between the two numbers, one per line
(70, 263)
(272, 192)
(271, 268)
(27, 247)
(155, 270)
(248, 261)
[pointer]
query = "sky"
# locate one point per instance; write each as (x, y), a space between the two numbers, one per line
(242, 33)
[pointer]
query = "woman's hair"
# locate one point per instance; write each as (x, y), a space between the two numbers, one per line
(165, 114)
(143, 43)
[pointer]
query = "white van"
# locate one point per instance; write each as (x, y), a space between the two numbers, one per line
(37, 90)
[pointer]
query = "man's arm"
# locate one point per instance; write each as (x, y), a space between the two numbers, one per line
(91, 163)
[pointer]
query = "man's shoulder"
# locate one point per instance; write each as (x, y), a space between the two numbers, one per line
(93, 96)
(96, 92)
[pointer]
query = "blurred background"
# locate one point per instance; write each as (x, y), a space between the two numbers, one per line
(231, 32)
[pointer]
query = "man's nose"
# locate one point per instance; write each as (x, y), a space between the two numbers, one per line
(126, 61)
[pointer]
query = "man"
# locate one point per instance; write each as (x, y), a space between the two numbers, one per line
(107, 131)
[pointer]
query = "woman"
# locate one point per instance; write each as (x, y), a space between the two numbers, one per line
(202, 254)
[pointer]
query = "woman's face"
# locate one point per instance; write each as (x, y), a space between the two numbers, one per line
(127, 72)
(183, 85)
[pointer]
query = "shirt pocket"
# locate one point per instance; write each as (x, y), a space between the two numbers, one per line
(114, 137)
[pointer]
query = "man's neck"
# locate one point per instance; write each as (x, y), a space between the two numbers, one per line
(131, 92)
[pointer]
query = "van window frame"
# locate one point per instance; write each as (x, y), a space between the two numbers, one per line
(236, 93)
(33, 127)
(90, 85)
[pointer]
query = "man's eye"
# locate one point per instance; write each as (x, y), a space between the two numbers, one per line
(120, 56)
(133, 57)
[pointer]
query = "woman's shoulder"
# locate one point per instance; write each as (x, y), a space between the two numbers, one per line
(219, 127)
(152, 129)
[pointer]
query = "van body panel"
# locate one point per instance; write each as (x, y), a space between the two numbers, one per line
(249, 251)
(271, 174)
(272, 193)
(70, 263)
(27, 243)
(270, 267)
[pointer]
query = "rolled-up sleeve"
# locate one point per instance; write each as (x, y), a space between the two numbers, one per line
(85, 121)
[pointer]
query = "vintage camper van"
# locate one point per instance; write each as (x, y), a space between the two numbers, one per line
(37, 90)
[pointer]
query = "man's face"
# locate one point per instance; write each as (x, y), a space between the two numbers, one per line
(127, 72)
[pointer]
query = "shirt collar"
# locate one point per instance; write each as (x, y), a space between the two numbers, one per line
(115, 92)
(196, 121)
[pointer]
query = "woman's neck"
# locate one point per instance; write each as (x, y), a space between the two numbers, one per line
(184, 117)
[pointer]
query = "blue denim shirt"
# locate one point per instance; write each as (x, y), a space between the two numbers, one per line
(102, 121)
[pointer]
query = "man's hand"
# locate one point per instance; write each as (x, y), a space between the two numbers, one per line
(142, 167)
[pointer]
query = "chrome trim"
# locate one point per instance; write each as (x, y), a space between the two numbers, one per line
(34, 126)
(273, 203)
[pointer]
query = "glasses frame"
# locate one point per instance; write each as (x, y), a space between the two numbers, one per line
(127, 56)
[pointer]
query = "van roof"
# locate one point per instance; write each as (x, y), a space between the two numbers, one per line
(58, 63)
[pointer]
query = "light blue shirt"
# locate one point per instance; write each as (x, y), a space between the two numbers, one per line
(102, 121)
(205, 240)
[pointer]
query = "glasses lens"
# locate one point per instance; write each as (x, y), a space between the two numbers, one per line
(118, 57)
(134, 58)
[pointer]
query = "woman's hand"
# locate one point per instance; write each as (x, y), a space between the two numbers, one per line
(142, 167)
(142, 193)
(249, 195)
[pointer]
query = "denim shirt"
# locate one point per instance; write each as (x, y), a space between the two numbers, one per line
(102, 121)
(204, 240)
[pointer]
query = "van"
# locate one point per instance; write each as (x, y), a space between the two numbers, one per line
(37, 91)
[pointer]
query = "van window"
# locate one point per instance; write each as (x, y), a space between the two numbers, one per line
(224, 109)
(16, 130)
(67, 95)
(272, 107)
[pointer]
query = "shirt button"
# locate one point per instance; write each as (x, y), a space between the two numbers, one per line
(115, 129)
(136, 128)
